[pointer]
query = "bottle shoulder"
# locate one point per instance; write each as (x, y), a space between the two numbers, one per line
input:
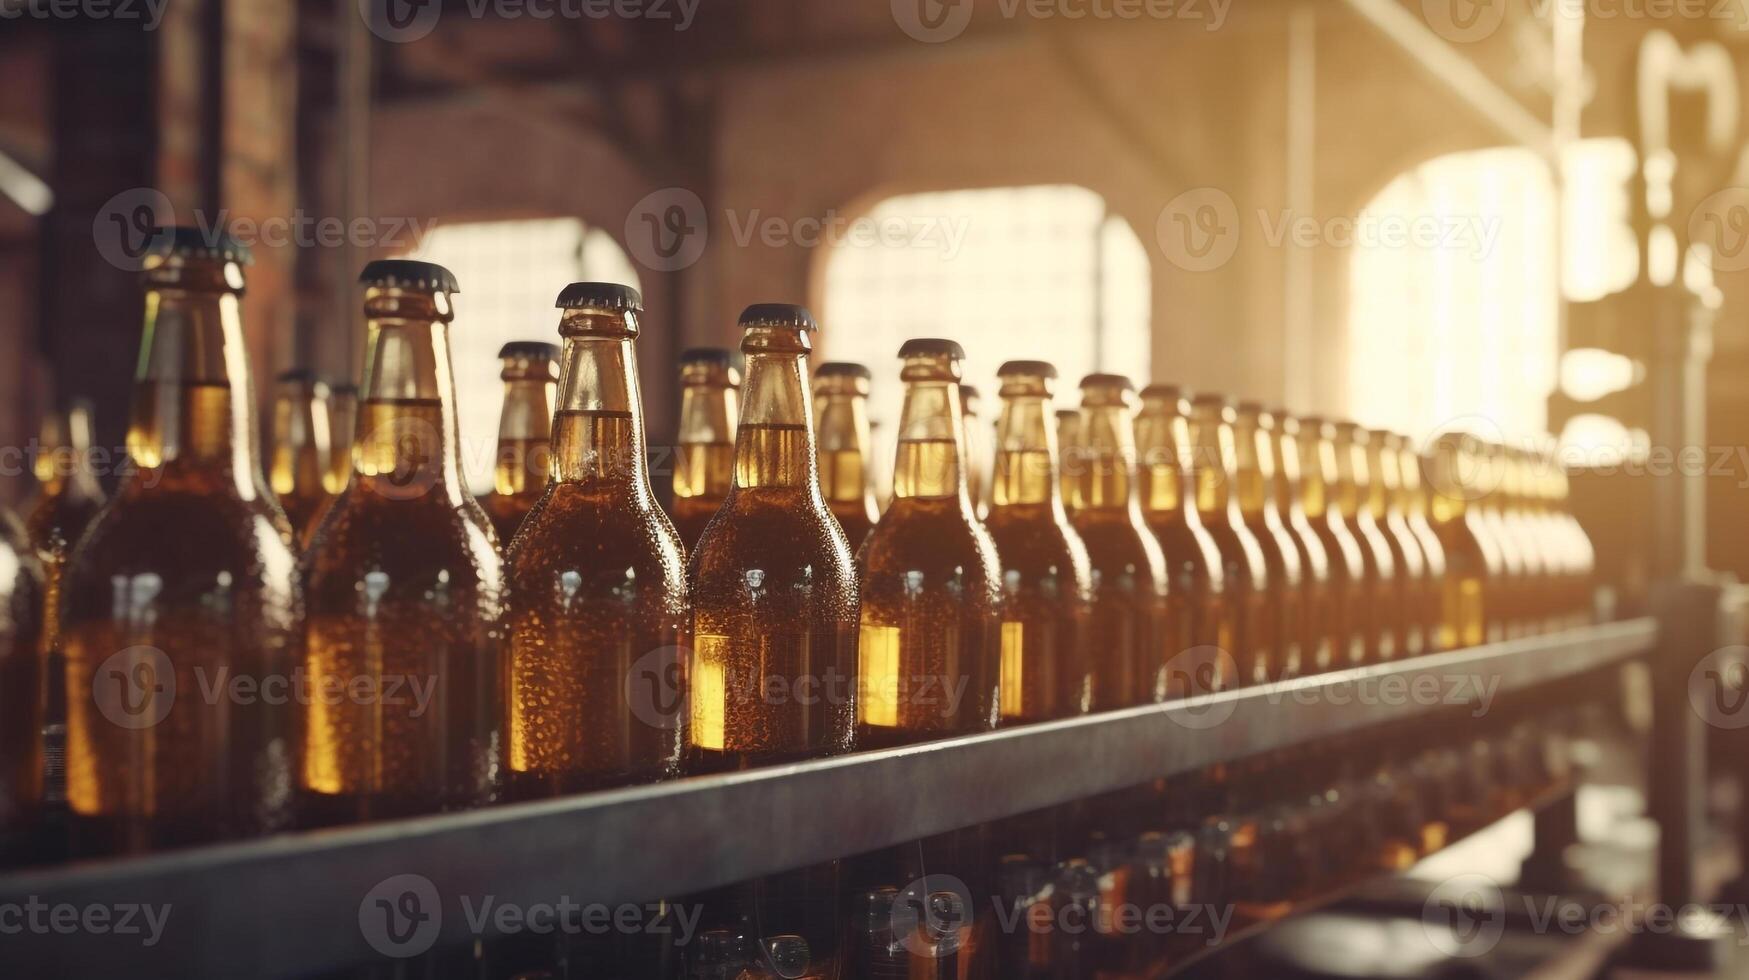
(919, 536)
(571, 531)
(167, 532)
(1116, 543)
(786, 537)
(417, 541)
(1033, 542)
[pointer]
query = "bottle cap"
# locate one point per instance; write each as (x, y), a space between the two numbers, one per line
(777, 315)
(608, 297)
(408, 274)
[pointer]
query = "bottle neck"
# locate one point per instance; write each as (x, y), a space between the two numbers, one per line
(1107, 460)
(62, 464)
(1317, 473)
(1411, 492)
(1254, 482)
(1289, 485)
(842, 432)
(774, 441)
(1026, 453)
(931, 443)
(1384, 496)
(1215, 467)
(707, 431)
(599, 429)
(525, 431)
(407, 432)
(300, 442)
(1351, 477)
(192, 405)
(1163, 474)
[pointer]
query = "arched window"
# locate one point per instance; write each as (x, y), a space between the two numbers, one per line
(1042, 273)
(510, 272)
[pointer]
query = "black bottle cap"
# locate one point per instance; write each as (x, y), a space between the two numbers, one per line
(534, 349)
(1164, 391)
(1249, 407)
(713, 356)
(345, 388)
(969, 391)
(843, 369)
(408, 274)
(611, 297)
(1107, 381)
(186, 242)
(932, 346)
(1210, 398)
(1039, 369)
(777, 315)
(296, 376)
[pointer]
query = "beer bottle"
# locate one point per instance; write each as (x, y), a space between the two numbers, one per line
(182, 582)
(22, 615)
(1255, 643)
(596, 590)
(403, 585)
(1422, 556)
(1254, 488)
(1131, 627)
(1382, 614)
(774, 621)
(530, 372)
(928, 577)
(1069, 446)
(1515, 598)
(298, 466)
(68, 495)
(342, 410)
(974, 454)
(1046, 668)
(1474, 565)
(1319, 481)
(1321, 621)
(1196, 577)
(704, 464)
(773, 585)
(841, 426)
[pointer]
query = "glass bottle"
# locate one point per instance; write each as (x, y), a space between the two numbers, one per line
(704, 467)
(1474, 566)
(1322, 620)
(1319, 482)
(530, 372)
(841, 427)
(1255, 643)
(1254, 489)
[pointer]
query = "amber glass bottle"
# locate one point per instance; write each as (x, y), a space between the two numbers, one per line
(596, 588)
(1255, 644)
(403, 585)
(1046, 668)
(929, 580)
(1541, 559)
(1319, 618)
(1474, 566)
(1200, 620)
(183, 583)
(68, 495)
(841, 426)
(1423, 566)
(342, 410)
(1255, 490)
(1412, 501)
(1131, 623)
(299, 460)
(1070, 462)
(21, 691)
(704, 463)
(1381, 615)
(1511, 604)
(1348, 584)
(529, 370)
(976, 452)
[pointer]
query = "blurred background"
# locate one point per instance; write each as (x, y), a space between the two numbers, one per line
(1499, 215)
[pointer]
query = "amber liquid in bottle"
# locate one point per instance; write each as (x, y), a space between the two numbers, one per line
(1320, 620)
(774, 658)
(1474, 566)
(1417, 586)
(704, 464)
(298, 465)
(1319, 479)
(181, 585)
(1254, 489)
(1070, 449)
(1131, 627)
(596, 589)
(929, 578)
(841, 428)
(976, 454)
(1047, 670)
(1510, 596)
(403, 590)
(1255, 643)
(525, 436)
(1519, 527)
(1384, 610)
(21, 693)
(342, 412)
(1199, 620)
